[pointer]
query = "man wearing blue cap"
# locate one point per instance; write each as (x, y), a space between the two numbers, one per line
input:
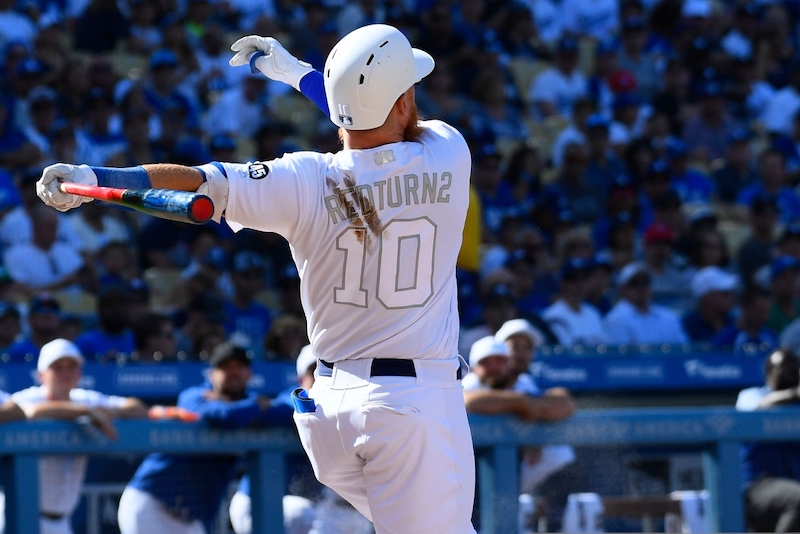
(244, 315)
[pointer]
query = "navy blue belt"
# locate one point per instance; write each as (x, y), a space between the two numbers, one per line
(382, 367)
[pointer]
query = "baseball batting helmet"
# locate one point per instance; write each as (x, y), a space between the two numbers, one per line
(367, 71)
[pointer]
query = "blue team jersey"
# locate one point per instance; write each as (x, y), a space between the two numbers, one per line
(193, 486)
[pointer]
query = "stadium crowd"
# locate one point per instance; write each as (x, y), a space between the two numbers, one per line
(634, 163)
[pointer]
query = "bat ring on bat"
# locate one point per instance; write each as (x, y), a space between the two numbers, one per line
(181, 206)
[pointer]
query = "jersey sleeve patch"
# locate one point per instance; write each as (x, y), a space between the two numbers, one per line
(257, 171)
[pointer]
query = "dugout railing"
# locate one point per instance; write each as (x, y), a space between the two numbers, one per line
(715, 432)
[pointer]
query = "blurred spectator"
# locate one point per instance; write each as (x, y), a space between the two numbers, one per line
(204, 315)
(59, 369)
(690, 184)
(574, 132)
(239, 109)
(206, 339)
(214, 73)
(14, 26)
(43, 325)
(738, 42)
(605, 75)
(546, 18)
(95, 226)
(45, 264)
(772, 170)
(770, 470)
(439, 96)
(750, 333)
(674, 91)
(788, 146)
(669, 278)
(522, 340)
(16, 225)
(138, 149)
(590, 19)
(789, 241)
(244, 315)
(573, 321)
(783, 274)
(496, 112)
(183, 493)
(621, 242)
(154, 339)
(16, 151)
(285, 338)
(115, 263)
(757, 249)
(738, 170)
(779, 113)
(10, 327)
(100, 27)
(708, 131)
(99, 108)
(604, 166)
(209, 273)
(523, 173)
(491, 388)
(161, 88)
(43, 115)
(713, 290)
(113, 336)
(497, 198)
(499, 306)
(143, 34)
(628, 120)
(555, 89)
(634, 58)
(709, 248)
(570, 191)
(634, 319)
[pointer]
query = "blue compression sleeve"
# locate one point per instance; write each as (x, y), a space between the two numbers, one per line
(126, 178)
(312, 85)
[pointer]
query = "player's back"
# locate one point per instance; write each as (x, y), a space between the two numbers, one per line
(375, 236)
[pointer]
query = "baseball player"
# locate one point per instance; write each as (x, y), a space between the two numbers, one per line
(181, 494)
(374, 231)
(58, 397)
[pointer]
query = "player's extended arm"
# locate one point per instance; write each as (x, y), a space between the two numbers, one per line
(131, 408)
(780, 397)
(69, 411)
(209, 179)
(10, 411)
(493, 402)
(268, 56)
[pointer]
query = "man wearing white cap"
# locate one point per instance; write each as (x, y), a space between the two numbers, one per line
(58, 397)
(634, 318)
(714, 292)
(522, 339)
(491, 387)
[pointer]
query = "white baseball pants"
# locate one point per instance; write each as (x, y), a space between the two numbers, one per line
(399, 449)
(141, 513)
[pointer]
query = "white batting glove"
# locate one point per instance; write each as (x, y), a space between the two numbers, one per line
(52, 176)
(276, 64)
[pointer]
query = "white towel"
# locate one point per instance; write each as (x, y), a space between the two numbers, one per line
(584, 513)
(694, 509)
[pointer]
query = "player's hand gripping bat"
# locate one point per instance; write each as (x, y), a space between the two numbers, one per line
(181, 206)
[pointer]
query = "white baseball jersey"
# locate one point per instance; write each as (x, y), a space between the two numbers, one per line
(61, 476)
(375, 235)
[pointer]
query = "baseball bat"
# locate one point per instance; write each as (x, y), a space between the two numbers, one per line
(180, 206)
